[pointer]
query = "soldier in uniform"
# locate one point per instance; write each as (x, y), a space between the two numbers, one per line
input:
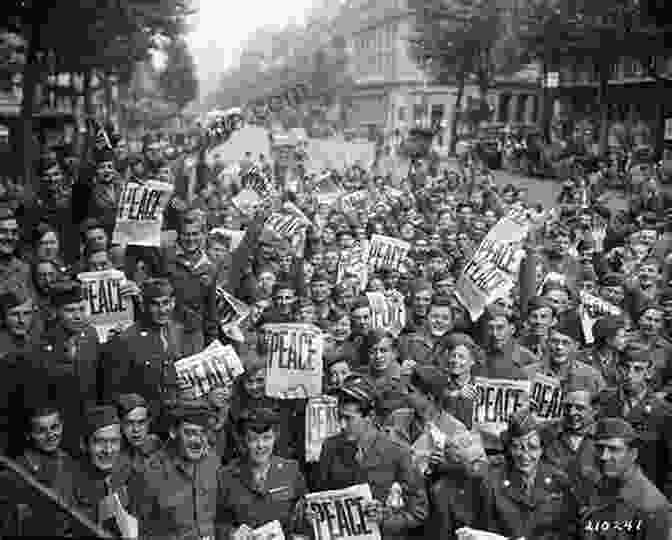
(526, 497)
(568, 442)
(65, 362)
(140, 359)
(43, 458)
(101, 474)
(361, 452)
(426, 345)
(139, 444)
(175, 496)
(260, 486)
(14, 273)
(625, 505)
(651, 417)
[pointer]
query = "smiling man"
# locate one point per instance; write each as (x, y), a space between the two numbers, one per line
(14, 273)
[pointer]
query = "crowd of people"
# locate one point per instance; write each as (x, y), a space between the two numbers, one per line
(92, 420)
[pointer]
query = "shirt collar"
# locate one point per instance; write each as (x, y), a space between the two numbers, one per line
(203, 260)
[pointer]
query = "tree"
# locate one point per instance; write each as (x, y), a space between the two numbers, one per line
(108, 37)
(456, 42)
(178, 82)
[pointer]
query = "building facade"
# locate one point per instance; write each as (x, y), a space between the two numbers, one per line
(392, 94)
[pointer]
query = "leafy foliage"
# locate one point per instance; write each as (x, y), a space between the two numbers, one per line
(178, 82)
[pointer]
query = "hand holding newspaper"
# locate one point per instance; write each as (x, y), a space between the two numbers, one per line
(467, 533)
(128, 524)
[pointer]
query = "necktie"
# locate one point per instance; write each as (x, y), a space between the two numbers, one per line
(164, 339)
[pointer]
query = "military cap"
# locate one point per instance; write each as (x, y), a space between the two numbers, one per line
(421, 285)
(390, 399)
(268, 237)
(607, 327)
(665, 296)
(612, 279)
(103, 155)
(442, 301)
(156, 288)
(320, 275)
(359, 303)
(357, 390)
(645, 306)
(331, 359)
(614, 428)
(565, 327)
(66, 292)
(192, 411)
(6, 213)
(129, 402)
(443, 275)
(585, 244)
(521, 423)
(98, 417)
(258, 420)
(539, 302)
(636, 351)
(587, 274)
(283, 286)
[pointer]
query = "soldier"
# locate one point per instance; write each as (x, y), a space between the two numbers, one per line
(65, 362)
(625, 504)
(175, 496)
(567, 442)
(427, 345)
(526, 497)
(139, 443)
(141, 358)
(14, 273)
(360, 452)
(101, 475)
(651, 417)
(43, 458)
(260, 486)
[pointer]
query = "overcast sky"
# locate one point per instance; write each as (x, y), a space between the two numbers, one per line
(221, 26)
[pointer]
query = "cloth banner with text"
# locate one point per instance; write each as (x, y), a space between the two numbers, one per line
(140, 213)
(214, 366)
(497, 400)
(340, 514)
(388, 311)
(294, 364)
(234, 237)
(386, 252)
(355, 202)
(493, 270)
(106, 308)
(322, 422)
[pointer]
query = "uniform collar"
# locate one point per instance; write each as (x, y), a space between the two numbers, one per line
(203, 259)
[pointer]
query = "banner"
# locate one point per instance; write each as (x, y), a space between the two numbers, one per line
(355, 201)
(493, 269)
(214, 366)
(497, 400)
(322, 422)
(388, 311)
(592, 308)
(353, 265)
(229, 309)
(327, 191)
(386, 252)
(270, 531)
(340, 514)
(467, 533)
(140, 213)
(547, 396)
(106, 309)
(294, 365)
(258, 182)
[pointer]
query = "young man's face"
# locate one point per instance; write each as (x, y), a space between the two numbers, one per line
(540, 320)
(135, 426)
(353, 423)
(19, 319)
(104, 447)
(46, 432)
(338, 373)
(73, 316)
(651, 322)
(9, 236)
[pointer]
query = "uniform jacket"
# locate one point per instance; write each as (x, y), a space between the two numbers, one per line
(652, 420)
(241, 502)
(40, 517)
(15, 275)
(506, 364)
(195, 292)
(546, 513)
(384, 463)
(136, 458)
(579, 465)
(422, 348)
(637, 511)
(174, 499)
(135, 361)
(456, 500)
(72, 384)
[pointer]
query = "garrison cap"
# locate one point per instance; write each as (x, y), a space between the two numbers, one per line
(539, 302)
(192, 411)
(357, 390)
(607, 327)
(98, 417)
(156, 288)
(258, 420)
(614, 428)
(612, 279)
(521, 423)
(129, 402)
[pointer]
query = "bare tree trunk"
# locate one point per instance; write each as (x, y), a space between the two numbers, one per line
(31, 75)
(456, 112)
(605, 73)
